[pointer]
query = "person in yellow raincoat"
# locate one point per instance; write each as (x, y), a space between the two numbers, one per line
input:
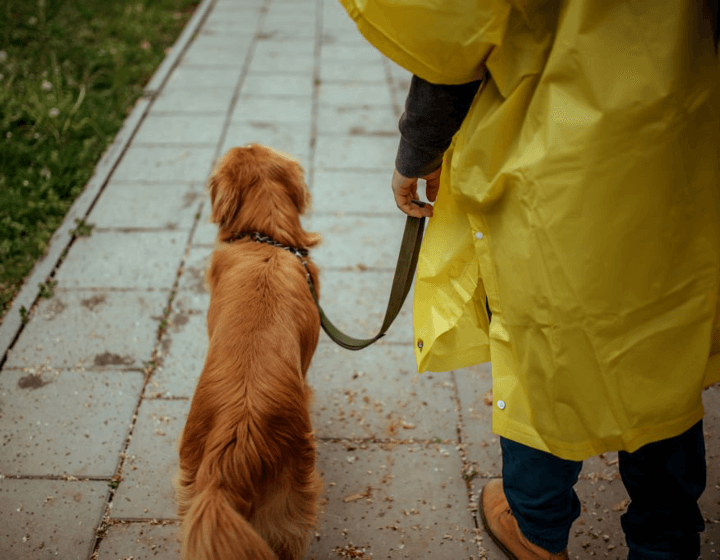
(579, 195)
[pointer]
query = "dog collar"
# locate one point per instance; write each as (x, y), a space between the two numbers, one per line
(258, 237)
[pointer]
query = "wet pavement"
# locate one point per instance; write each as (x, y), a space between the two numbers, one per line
(95, 388)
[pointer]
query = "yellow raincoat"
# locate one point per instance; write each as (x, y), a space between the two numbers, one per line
(582, 196)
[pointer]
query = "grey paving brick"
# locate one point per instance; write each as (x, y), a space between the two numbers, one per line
(206, 232)
(346, 191)
(359, 120)
(239, 21)
(357, 241)
(355, 152)
(150, 164)
(211, 50)
(281, 49)
(373, 502)
(293, 139)
(146, 491)
(288, 110)
(377, 393)
(109, 259)
(356, 302)
(362, 71)
(91, 328)
(353, 93)
(362, 53)
(193, 100)
(189, 76)
(260, 84)
(140, 541)
(180, 129)
(235, 6)
(65, 422)
(274, 61)
(481, 445)
(182, 350)
(193, 278)
(44, 519)
(164, 206)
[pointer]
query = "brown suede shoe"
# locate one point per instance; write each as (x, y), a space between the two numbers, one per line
(502, 526)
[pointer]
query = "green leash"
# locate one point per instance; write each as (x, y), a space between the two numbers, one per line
(404, 273)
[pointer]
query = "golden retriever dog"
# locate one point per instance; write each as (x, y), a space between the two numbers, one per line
(247, 486)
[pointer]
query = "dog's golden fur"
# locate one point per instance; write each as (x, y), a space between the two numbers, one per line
(247, 487)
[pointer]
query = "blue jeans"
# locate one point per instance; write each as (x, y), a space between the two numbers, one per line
(664, 480)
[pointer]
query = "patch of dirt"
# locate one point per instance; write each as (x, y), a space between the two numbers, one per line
(32, 381)
(109, 359)
(93, 302)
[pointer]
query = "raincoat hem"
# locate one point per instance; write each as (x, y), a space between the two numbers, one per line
(631, 441)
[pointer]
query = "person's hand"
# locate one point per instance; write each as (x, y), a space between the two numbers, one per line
(405, 191)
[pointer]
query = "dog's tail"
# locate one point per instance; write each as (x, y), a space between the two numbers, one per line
(215, 530)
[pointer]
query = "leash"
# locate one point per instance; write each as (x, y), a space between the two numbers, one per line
(402, 281)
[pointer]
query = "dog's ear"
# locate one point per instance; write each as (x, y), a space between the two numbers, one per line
(291, 175)
(227, 184)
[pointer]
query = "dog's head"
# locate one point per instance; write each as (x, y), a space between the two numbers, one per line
(256, 188)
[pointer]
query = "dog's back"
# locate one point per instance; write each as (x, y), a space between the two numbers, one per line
(247, 487)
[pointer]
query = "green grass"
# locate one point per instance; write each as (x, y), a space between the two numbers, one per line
(70, 73)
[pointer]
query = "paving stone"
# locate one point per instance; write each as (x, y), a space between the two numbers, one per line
(65, 422)
(164, 206)
(193, 278)
(481, 445)
(278, 62)
(241, 21)
(356, 303)
(356, 152)
(288, 110)
(109, 259)
(140, 541)
(235, 6)
(362, 53)
(180, 129)
(353, 93)
(206, 231)
(45, 519)
(339, 70)
(342, 191)
(373, 503)
(358, 120)
(357, 241)
(278, 50)
(90, 328)
(284, 15)
(189, 76)
(150, 164)
(193, 100)
(377, 393)
(261, 84)
(146, 490)
(182, 350)
(293, 139)
(211, 50)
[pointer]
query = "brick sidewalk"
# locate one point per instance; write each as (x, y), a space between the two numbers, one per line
(95, 390)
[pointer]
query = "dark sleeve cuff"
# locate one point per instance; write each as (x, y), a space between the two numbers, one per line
(433, 114)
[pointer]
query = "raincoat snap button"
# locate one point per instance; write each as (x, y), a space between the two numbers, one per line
(501, 405)
(420, 343)
(479, 235)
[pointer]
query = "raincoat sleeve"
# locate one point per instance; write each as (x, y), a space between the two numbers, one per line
(443, 42)
(433, 114)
